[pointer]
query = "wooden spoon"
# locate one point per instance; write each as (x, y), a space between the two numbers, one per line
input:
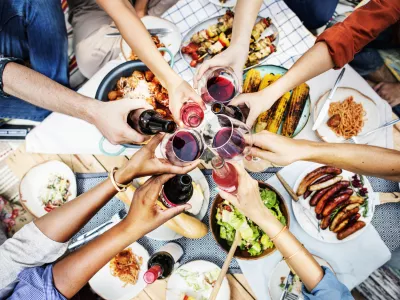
(225, 267)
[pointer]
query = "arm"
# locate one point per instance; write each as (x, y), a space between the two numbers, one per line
(73, 272)
(334, 48)
(109, 117)
(235, 55)
(249, 202)
(360, 159)
(141, 7)
(126, 19)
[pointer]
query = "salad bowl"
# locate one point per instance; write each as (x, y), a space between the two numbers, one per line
(244, 254)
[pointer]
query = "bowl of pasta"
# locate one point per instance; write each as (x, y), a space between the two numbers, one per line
(350, 114)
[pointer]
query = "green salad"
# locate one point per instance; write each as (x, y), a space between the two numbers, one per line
(254, 240)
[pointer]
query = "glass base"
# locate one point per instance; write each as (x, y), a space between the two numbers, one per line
(256, 165)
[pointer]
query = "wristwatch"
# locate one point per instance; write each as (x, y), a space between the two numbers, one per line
(3, 62)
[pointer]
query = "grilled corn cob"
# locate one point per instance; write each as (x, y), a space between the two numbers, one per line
(268, 80)
(296, 106)
(277, 112)
(252, 81)
(261, 121)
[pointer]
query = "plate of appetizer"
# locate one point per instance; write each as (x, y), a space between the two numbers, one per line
(188, 224)
(224, 3)
(213, 36)
(255, 244)
(195, 281)
(172, 40)
(122, 277)
(279, 275)
(350, 114)
(289, 115)
(47, 186)
(335, 205)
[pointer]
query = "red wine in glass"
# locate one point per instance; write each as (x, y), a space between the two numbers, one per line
(192, 114)
(224, 175)
(183, 147)
(229, 143)
(221, 89)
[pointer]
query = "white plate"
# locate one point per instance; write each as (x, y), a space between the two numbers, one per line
(371, 119)
(36, 179)
(110, 287)
(163, 233)
(228, 3)
(326, 235)
(282, 270)
(214, 20)
(172, 40)
(177, 285)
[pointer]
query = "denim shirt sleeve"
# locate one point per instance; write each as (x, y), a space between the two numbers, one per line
(328, 288)
(36, 283)
(3, 62)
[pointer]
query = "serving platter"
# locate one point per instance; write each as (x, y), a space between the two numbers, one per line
(172, 40)
(371, 118)
(228, 3)
(177, 285)
(282, 270)
(268, 69)
(37, 178)
(163, 233)
(205, 24)
(310, 226)
(110, 287)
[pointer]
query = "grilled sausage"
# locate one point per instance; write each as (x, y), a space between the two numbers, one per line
(312, 176)
(325, 222)
(342, 197)
(332, 191)
(322, 179)
(350, 230)
(322, 185)
(345, 219)
(342, 215)
(318, 195)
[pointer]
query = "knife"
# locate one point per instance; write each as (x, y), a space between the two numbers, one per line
(305, 211)
(324, 110)
(152, 31)
(289, 282)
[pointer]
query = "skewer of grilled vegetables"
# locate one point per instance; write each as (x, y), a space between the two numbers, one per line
(296, 106)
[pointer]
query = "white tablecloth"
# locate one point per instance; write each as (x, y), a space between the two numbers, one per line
(353, 261)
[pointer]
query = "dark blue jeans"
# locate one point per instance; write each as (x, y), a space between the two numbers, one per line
(313, 13)
(33, 30)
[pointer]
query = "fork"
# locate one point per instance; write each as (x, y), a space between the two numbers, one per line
(354, 139)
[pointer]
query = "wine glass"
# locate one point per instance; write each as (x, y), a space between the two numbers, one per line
(219, 84)
(192, 114)
(182, 147)
(228, 137)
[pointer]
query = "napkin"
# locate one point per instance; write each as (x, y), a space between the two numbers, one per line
(61, 134)
(353, 261)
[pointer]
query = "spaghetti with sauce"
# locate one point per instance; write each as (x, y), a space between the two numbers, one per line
(349, 116)
(126, 266)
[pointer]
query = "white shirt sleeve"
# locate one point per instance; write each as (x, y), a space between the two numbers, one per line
(29, 247)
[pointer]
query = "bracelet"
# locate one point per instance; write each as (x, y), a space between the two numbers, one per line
(278, 234)
(118, 186)
(291, 256)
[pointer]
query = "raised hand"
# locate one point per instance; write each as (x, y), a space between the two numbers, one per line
(234, 56)
(144, 211)
(111, 119)
(278, 149)
(145, 163)
(179, 92)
